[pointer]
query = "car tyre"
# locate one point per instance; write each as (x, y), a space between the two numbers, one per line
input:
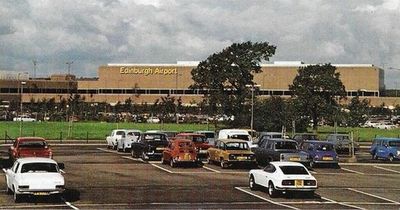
(374, 156)
(272, 192)
(172, 163)
(8, 190)
(312, 164)
(223, 164)
(209, 161)
(17, 197)
(163, 161)
(252, 184)
(143, 156)
(391, 158)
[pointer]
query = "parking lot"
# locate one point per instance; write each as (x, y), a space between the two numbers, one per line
(97, 177)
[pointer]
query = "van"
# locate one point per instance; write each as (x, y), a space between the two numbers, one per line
(236, 134)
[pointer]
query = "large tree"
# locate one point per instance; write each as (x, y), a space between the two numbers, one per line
(223, 77)
(358, 111)
(316, 90)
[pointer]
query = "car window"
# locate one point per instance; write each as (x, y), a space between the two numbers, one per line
(237, 146)
(394, 143)
(154, 137)
(120, 133)
(286, 145)
(39, 167)
(240, 136)
(32, 144)
(325, 147)
(289, 170)
(270, 168)
(262, 143)
(200, 139)
(15, 167)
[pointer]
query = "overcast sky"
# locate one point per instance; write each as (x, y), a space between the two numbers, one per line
(93, 33)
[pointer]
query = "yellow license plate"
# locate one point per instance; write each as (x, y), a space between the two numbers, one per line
(186, 156)
(298, 183)
(294, 159)
(160, 148)
(327, 158)
(241, 158)
(40, 193)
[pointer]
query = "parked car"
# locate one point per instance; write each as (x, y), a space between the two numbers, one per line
(153, 120)
(279, 150)
(24, 118)
(200, 142)
(320, 152)
(150, 146)
(29, 147)
(282, 177)
(125, 144)
(268, 135)
(236, 134)
(385, 125)
(180, 151)
(342, 142)
(385, 148)
(34, 176)
(210, 135)
(228, 152)
(112, 139)
(300, 137)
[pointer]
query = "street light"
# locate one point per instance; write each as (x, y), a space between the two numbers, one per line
(252, 104)
(20, 106)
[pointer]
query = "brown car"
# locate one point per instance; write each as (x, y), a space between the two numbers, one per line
(180, 151)
(228, 152)
(29, 147)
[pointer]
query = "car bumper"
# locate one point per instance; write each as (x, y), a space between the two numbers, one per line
(242, 162)
(326, 161)
(40, 192)
(304, 189)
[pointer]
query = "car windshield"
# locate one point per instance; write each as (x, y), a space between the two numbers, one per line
(394, 143)
(133, 134)
(324, 147)
(286, 145)
(294, 170)
(200, 139)
(32, 144)
(237, 146)
(120, 133)
(241, 136)
(39, 167)
(209, 135)
(185, 144)
(154, 137)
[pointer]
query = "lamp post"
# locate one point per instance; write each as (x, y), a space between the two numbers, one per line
(252, 104)
(22, 83)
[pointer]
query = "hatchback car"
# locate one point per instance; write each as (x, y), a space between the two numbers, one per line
(29, 147)
(320, 152)
(200, 142)
(282, 177)
(179, 152)
(385, 148)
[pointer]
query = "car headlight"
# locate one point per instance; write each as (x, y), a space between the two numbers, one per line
(398, 153)
(232, 157)
(316, 157)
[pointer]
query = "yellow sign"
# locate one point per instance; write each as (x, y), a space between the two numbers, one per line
(148, 71)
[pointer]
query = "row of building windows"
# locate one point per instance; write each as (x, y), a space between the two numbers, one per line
(139, 91)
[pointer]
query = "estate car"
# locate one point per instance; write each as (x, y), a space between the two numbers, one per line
(228, 152)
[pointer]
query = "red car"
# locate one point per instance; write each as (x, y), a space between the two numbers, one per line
(200, 142)
(180, 151)
(29, 147)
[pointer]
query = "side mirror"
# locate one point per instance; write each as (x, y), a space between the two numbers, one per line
(61, 166)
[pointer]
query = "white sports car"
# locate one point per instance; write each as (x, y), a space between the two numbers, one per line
(282, 177)
(34, 176)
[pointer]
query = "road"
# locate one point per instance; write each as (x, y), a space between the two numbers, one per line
(98, 178)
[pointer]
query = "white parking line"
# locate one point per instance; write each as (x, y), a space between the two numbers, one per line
(387, 169)
(69, 204)
(131, 158)
(265, 199)
(54, 206)
(159, 167)
(372, 195)
(341, 203)
(211, 169)
(353, 171)
(369, 164)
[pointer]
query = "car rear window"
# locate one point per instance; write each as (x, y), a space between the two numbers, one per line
(200, 139)
(325, 147)
(209, 135)
(237, 146)
(394, 143)
(292, 170)
(239, 136)
(286, 145)
(39, 167)
(120, 133)
(32, 144)
(154, 137)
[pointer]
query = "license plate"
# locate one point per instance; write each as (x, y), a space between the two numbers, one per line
(40, 193)
(203, 151)
(160, 148)
(298, 183)
(327, 158)
(186, 156)
(294, 159)
(241, 158)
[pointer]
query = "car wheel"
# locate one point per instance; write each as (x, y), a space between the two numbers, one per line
(391, 158)
(312, 164)
(209, 161)
(8, 190)
(272, 192)
(163, 160)
(172, 163)
(143, 156)
(223, 164)
(374, 156)
(17, 197)
(252, 183)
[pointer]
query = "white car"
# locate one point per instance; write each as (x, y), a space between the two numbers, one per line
(24, 119)
(153, 120)
(34, 176)
(281, 177)
(125, 144)
(112, 140)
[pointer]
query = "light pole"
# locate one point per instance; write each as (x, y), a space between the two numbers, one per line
(252, 104)
(22, 83)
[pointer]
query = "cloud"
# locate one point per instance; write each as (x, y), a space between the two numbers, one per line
(93, 33)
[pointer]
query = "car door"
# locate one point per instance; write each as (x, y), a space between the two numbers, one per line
(11, 174)
(265, 175)
(168, 151)
(380, 149)
(262, 156)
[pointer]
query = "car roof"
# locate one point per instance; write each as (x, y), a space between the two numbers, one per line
(281, 139)
(231, 140)
(133, 130)
(31, 139)
(36, 160)
(317, 142)
(270, 133)
(190, 134)
(239, 131)
(387, 138)
(286, 163)
(161, 133)
(204, 131)
(182, 140)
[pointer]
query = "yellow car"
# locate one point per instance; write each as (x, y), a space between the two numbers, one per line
(228, 152)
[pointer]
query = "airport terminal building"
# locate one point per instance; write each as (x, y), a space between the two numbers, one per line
(145, 83)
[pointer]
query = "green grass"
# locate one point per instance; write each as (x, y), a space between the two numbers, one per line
(360, 134)
(85, 130)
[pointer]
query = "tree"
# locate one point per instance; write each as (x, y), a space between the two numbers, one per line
(358, 110)
(223, 77)
(316, 90)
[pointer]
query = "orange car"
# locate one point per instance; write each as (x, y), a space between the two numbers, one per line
(29, 147)
(200, 142)
(180, 151)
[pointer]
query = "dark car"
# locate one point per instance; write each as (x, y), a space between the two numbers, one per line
(150, 146)
(279, 150)
(342, 142)
(300, 137)
(320, 152)
(268, 135)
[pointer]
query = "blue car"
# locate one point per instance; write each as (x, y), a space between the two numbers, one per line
(385, 148)
(321, 152)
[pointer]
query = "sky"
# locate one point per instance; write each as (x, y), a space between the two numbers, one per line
(92, 33)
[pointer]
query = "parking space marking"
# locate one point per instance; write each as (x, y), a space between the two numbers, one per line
(265, 199)
(372, 195)
(341, 203)
(48, 206)
(159, 167)
(369, 164)
(69, 204)
(387, 169)
(353, 171)
(211, 169)
(134, 159)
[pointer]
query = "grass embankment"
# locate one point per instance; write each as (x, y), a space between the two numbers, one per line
(360, 134)
(86, 130)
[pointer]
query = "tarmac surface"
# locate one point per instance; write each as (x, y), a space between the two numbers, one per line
(100, 178)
